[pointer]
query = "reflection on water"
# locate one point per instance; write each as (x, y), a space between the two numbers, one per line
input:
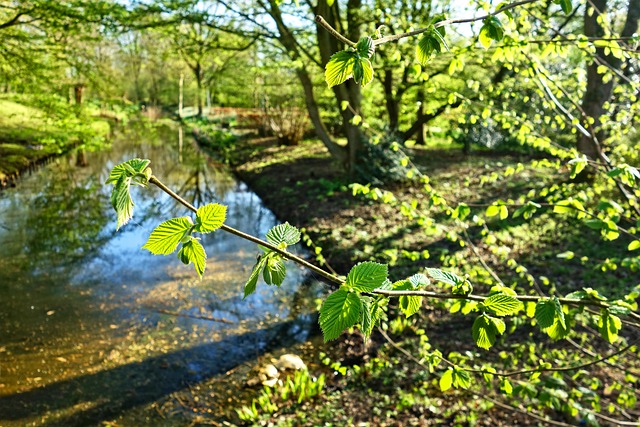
(91, 326)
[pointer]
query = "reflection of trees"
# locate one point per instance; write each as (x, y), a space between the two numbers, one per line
(65, 219)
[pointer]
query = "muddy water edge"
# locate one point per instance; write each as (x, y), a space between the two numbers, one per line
(94, 330)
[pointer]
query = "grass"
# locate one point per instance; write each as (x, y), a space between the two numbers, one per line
(29, 135)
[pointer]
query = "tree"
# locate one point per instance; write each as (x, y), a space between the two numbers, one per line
(600, 82)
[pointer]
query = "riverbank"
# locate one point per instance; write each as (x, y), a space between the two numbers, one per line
(380, 385)
(33, 131)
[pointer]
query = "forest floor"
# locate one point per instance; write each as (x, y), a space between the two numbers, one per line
(30, 136)
(380, 385)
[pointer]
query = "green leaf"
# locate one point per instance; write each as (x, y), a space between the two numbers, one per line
(121, 200)
(362, 71)
(484, 332)
(446, 380)
(527, 210)
(340, 67)
(485, 36)
(609, 325)
(462, 211)
(210, 217)
(340, 311)
(193, 252)
(410, 304)
(444, 276)
(428, 44)
(545, 313)
(634, 245)
(366, 276)
(274, 270)
(503, 305)
(492, 210)
(558, 330)
(577, 165)
(550, 318)
(250, 286)
(128, 168)
(283, 235)
(566, 5)
(165, 238)
(439, 35)
(461, 379)
(365, 47)
(491, 30)
(366, 318)
(418, 281)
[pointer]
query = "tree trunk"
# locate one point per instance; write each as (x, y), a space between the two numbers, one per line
(390, 100)
(180, 95)
(598, 91)
(199, 97)
(287, 40)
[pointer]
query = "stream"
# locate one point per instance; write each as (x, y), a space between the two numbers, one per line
(94, 330)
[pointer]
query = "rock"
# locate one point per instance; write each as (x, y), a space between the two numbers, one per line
(290, 361)
(265, 375)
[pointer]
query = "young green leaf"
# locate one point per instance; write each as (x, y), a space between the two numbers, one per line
(362, 71)
(446, 380)
(418, 281)
(485, 37)
(577, 165)
(283, 235)
(365, 47)
(210, 217)
(484, 331)
(410, 304)
(193, 252)
(366, 319)
(340, 311)
(274, 270)
(427, 45)
(165, 238)
(121, 200)
(366, 276)
(250, 286)
(634, 245)
(461, 378)
(492, 210)
(444, 276)
(566, 5)
(609, 325)
(340, 67)
(128, 168)
(549, 312)
(558, 330)
(503, 305)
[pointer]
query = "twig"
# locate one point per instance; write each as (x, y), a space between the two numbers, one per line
(483, 396)
(395, 37)
(249, 237)
(321, 21)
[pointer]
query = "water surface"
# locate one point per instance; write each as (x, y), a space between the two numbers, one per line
(92, 328)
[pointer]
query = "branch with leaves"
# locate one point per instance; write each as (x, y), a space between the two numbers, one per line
(363, 296)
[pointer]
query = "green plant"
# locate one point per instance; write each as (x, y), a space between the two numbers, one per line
(299, 387)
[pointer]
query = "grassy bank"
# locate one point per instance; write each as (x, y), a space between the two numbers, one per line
(33, 130)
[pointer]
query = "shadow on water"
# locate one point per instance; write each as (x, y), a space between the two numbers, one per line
(111, 392)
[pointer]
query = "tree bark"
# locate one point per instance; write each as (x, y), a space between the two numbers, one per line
(598, 92)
